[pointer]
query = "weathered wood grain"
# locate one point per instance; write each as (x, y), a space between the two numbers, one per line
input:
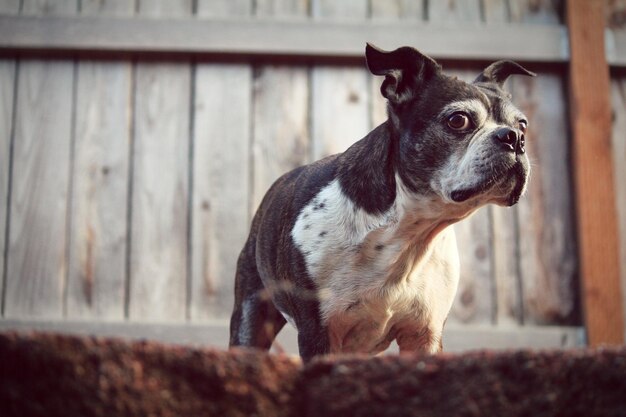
(37, 245)
(8, 73)
(111, 8)
(339, 10)
(221, 185)
(505, 265)
(544, 12)
(615, 10)
(221, 174)
(475, 298)
(10, 7)
(504, 226)
(340, 110)
(229, 9)
(390, 10)
(282, 9)
(49, 7)
(590, 116)
(546, 229)
(397, 10)
(340, 96)
(495, 11)
(454, 11)
(546, 224)
(280, 129)
(160, 183)
(98, 225)
(280, 138)
(618, 142)
(303, 39)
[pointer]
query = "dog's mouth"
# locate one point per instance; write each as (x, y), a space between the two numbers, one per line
(514, 179)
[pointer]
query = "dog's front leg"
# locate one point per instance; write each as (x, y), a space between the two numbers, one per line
(313, 337)
(313, 341)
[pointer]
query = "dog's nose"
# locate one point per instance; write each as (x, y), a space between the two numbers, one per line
(511, 139)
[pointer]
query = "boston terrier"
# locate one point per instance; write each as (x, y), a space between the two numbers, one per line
(356, 250)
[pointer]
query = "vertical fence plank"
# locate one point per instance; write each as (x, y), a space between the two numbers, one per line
(37, 252)
(475, 298)
(590, 115)
(346, 9)
(397, 10)
(280, 131)
(98, 225)
(505, 251)
(10, 7)
(546, 227)
(618, 95)
(158, 280)
(282, 8)
(454, 11)
(546, 12)
(7, 88)
(340, 96)
(221, 175)
(407, 10)
(495, 11)
(547, 248)
(504, 233)
(280, 140)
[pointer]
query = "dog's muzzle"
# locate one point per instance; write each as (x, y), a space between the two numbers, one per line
(512, 178)
(520, 173)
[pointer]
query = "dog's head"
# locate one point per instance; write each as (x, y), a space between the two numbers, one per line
(463, 143)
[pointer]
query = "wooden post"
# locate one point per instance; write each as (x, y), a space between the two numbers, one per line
(590, 115)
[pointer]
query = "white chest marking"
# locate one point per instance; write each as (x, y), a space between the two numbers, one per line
(330, 223)
(370, 269)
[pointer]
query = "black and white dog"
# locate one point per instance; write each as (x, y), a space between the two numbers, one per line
(356, 250)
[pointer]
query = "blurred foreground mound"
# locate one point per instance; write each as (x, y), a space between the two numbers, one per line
(53, 375)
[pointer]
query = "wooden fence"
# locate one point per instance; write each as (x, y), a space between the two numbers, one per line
(138, 137)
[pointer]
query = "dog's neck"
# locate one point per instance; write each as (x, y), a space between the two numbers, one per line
(371, 177)
(367, 171)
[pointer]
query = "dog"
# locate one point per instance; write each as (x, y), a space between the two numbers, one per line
(356, 250)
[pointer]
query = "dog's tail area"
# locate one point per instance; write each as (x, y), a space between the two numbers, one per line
(255, 321)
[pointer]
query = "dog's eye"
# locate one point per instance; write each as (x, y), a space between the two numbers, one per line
(523, 126)
(459, 121)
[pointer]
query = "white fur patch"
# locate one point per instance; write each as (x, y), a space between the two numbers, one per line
(331, 222)
(377, 274)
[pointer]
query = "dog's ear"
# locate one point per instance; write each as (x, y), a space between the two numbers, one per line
(499, 71)
(404, 69)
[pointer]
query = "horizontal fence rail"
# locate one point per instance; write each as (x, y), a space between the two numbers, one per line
(291, 38)
(215, 334)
